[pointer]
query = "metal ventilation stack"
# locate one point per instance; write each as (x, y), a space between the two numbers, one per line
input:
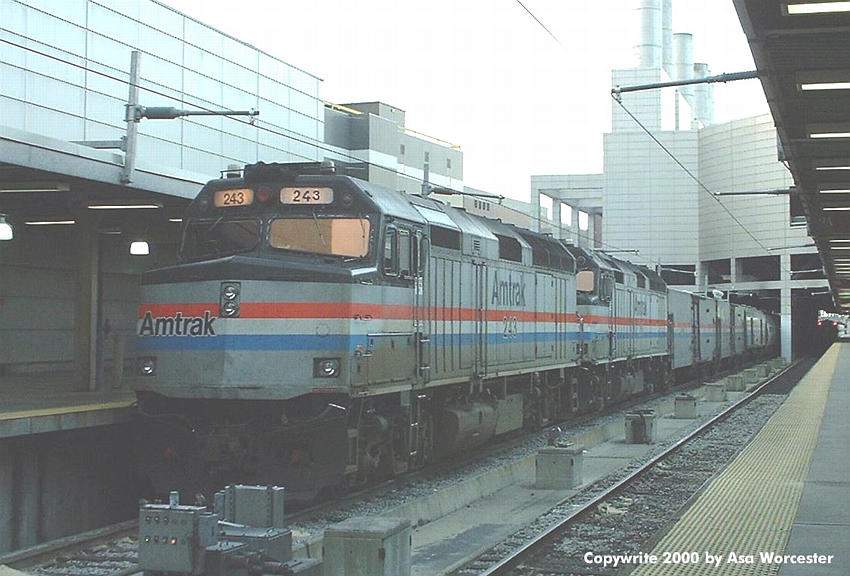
(703, 97)
(650, 49)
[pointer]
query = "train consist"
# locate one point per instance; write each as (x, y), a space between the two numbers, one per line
(321, 331)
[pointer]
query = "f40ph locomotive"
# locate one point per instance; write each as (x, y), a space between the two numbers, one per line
(321, 331)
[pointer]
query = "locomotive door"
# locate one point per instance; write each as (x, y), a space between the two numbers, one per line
(697, 332)
(544, 301)
(421, 306)
(479, 272)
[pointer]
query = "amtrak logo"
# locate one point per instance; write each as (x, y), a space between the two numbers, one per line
(178, 325)
(507, 293)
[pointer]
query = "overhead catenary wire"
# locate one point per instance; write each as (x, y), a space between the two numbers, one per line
(536, 19)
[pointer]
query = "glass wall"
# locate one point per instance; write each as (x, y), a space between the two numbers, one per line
(64, 70)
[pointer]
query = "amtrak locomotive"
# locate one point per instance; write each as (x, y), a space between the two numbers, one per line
(320, 331)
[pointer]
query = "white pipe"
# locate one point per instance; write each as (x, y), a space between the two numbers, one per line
(703, 105)
(649, 47)
(683, 53)
(667, 36)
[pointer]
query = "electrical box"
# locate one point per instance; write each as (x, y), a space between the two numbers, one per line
(173, 538)
(369, 545)
(272, 543)
(259, 506)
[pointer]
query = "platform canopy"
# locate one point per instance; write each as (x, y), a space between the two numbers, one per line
(801, 49)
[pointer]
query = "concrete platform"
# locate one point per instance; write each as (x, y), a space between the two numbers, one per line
(822, 523)
(786, 494)
(448, 541)
(51, 403)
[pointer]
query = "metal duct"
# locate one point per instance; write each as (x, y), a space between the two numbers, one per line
(667, 36)
(703, 104)
(649, 47)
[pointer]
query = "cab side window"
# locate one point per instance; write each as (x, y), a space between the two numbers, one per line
(404, 260)
(391, 252)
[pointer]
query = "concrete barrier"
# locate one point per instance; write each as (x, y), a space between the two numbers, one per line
(558, 468)
(735, 383)
(685, 406)
(640, 427)
(751, 376)
(715, 392)
(374, 546)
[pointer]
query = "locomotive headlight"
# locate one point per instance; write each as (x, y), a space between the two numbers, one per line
(230, 292)
(147, 366)
(326, 367)
(229, 309)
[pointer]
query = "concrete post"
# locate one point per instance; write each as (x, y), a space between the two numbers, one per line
(556, 218)
(535, 210)
(7, 527)
(785, 307)
(785, 325)
(88, 286)
(27, 497)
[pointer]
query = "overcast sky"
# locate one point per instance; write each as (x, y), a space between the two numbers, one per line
(484, 74)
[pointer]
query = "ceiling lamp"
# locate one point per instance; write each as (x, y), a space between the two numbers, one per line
(6, 231)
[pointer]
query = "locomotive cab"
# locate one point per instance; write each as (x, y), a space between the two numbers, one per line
(259, 326)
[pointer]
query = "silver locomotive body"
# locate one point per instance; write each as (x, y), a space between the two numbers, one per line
(320, 330)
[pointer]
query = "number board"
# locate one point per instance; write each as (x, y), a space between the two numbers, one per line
(306, 195)
(230, 198)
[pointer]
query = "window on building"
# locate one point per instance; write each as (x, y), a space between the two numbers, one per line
(566, 215)
(583, 220)
(448, 163)
(401, 150)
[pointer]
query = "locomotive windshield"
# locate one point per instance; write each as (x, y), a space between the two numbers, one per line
(219, 237)
(347, 237)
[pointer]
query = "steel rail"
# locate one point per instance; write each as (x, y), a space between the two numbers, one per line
(508, 563)
(41, 553)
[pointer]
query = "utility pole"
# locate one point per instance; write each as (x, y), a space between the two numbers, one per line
(134, 113)
(132, 122)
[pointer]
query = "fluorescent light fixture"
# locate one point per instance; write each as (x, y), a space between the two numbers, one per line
(839, 241)
(6, 231)
(175, 219)
(836, 191)
(34, 186)
(139, 248)
(49, 222)
(828, 168)
(825, 86)
(837, 209)
(829, 135)
(123, 206)
(818, 8)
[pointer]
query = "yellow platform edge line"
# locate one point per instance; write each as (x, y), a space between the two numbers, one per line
(750, 507)
(62, 410)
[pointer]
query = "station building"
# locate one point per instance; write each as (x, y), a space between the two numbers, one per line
(69, 285)
(755, 247)
(65, 69)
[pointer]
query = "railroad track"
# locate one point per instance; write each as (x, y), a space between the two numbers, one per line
(97, 547)
(507, 564)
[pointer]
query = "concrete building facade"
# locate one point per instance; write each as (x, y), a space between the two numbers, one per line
(650, 203)
(397, 157)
